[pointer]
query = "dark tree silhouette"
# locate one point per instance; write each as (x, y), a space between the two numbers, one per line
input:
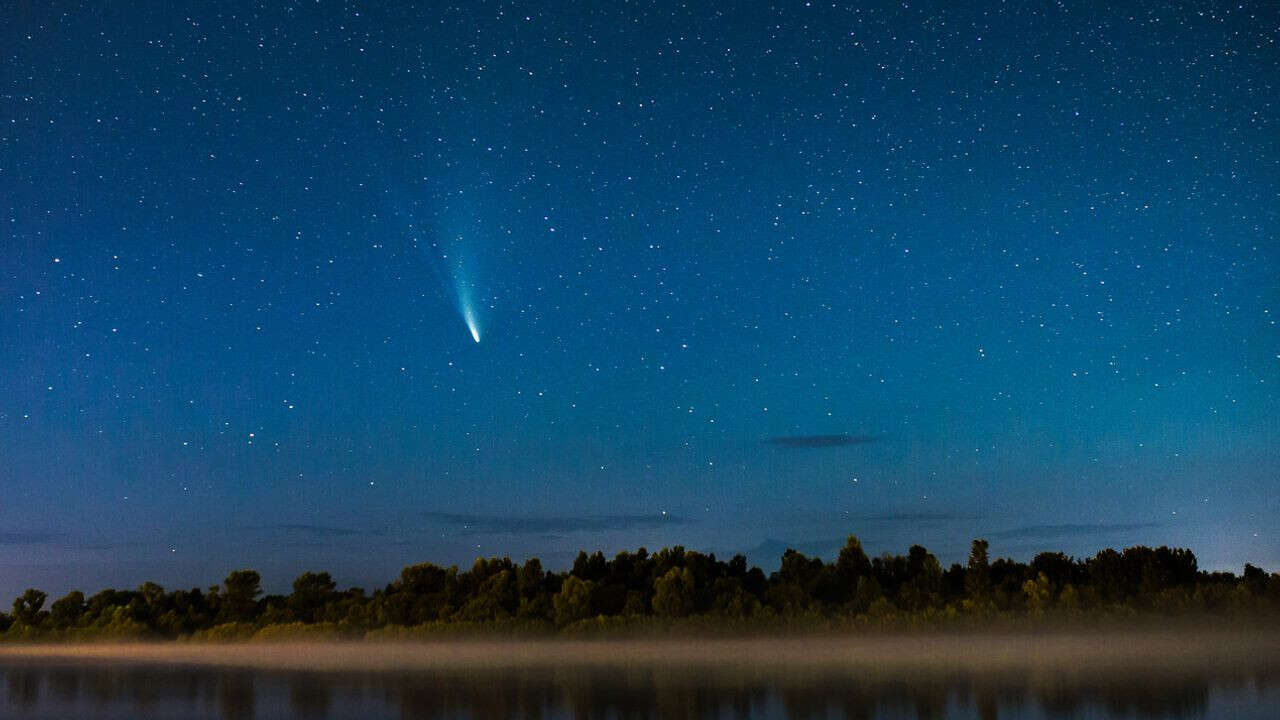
(311, 592)
(673, 584)
(26, 607)
(67, 610)
(239, 596)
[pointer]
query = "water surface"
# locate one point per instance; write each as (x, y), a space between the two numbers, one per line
(44, 689)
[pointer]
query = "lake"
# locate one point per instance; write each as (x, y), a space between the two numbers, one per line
(1027, 678)
(101, 691)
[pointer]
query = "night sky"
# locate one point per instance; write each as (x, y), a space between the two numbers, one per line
(343, 287)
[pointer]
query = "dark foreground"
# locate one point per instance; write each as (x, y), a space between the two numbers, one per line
(1095, 676)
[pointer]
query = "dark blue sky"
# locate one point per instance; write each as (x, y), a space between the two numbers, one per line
(1019, 260)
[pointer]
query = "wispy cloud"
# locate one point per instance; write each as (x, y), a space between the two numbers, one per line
(312, 530)
(820, 441)
(112, 545)
(525, 525)
(1070, 530)
(917, 517)
(29, 538)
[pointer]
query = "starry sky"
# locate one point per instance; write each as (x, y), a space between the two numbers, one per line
(347, 286)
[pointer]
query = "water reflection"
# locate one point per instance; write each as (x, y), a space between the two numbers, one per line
(119, 692)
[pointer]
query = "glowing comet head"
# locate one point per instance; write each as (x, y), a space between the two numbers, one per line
(469, 316)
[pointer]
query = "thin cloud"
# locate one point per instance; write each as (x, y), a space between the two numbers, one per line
(29, 538)
(112, 545)
(821, 441)
(312, 530)
(918, 517)
(1069, 530)
(524, 525)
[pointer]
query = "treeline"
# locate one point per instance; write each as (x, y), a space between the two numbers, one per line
(853, 590)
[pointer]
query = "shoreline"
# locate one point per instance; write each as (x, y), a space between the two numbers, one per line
(1073, 653)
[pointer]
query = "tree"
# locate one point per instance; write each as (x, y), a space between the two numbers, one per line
(531, 582)
(531, 579)
(924, 582)
(573, 602)
(1254, 577)
(101, 606)
(865, 594)
(1060, 569)
(424, 592)
(890, 572)
(66, 610)
(426, 579)
(793, 586)
(590, 567)
(977, 575)
(240, 595)
(852, 562)
(851, 565)
(152, 594)
(1039, 593)
(311, 591)
(26, 607)
(496, 598)
(673, 593)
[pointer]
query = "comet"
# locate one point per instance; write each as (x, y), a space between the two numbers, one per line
(463, 291)
(453, 267)
(469, 317)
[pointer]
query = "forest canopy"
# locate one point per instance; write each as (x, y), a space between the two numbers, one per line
(672, 585)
